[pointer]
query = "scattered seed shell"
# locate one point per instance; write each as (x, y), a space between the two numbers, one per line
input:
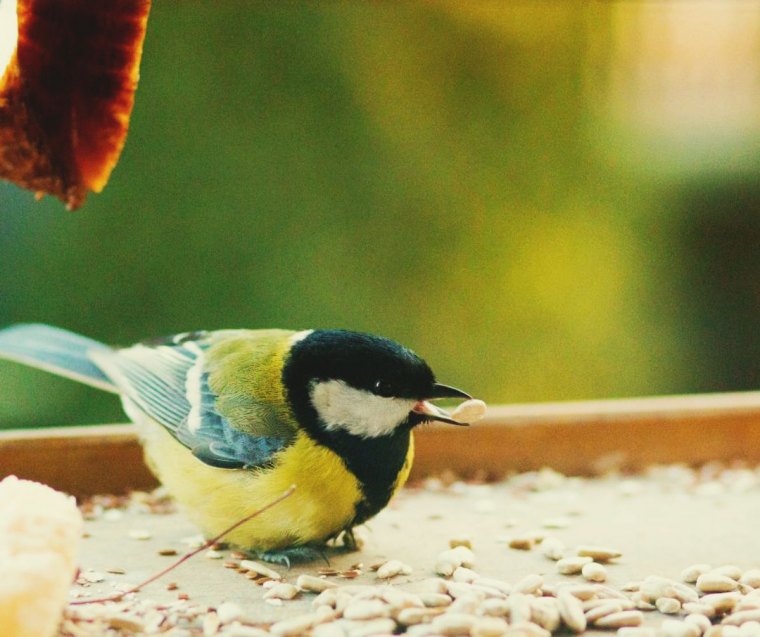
(522, 543)
(597, 553)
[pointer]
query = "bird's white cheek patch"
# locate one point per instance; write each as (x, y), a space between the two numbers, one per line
(357, 411)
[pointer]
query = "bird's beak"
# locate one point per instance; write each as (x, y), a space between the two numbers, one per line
(445, 391)
(430, 412)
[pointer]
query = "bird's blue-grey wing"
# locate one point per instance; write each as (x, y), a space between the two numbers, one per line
(169, 383)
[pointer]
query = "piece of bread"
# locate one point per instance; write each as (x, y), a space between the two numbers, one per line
(40, 530)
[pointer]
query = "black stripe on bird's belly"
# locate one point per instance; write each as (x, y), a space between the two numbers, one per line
(376, 463)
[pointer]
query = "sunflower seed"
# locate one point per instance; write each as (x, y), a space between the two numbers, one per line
(392, 568)
(713, 583)
(729, 570)
(553, 548)
(313, 584)
(494, 607)
(366, 609)
(294, 625)
(691, 573)
(529, 584)
(594, 572)
(636, 631)
(668, 605)
(572, 565)
(699, 620)
(751, 578)
(571, 612)
(654, 587)
(435, 600)
(698, 608)
(738, 618)
(488, 627)
(519, 608)
(608, 607)
(464, 574)
(281, 590)
(722, 631)
(411, 616)
(260, 569)
(621, 619)
(527, 629)
(675, 628)
(470, 411)
(721, 602)
(545, 613)
(453, 624)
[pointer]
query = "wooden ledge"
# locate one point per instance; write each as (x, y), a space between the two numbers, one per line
(577, 438)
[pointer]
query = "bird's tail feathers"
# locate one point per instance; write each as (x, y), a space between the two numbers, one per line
(55, 350)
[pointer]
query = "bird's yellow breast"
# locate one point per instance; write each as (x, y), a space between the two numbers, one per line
(322, 505)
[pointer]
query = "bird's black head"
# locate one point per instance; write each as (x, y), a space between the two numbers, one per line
(363, 385)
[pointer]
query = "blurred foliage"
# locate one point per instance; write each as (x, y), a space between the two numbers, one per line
(480, 181)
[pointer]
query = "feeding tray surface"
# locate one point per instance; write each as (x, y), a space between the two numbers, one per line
(662, 520)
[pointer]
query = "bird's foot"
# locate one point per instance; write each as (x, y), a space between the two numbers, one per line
(291, 555)
(349, 540)
(345, 542)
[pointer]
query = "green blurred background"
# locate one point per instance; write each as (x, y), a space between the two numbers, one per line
(548, 201)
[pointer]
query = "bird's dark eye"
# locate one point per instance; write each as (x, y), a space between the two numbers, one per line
(382, 388)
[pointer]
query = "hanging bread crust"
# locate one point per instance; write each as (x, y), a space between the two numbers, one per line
(67, 94)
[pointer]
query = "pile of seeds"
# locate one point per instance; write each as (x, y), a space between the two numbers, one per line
(714, 602)
(562, 587)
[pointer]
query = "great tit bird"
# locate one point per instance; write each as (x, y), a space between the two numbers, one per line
(229, 419)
